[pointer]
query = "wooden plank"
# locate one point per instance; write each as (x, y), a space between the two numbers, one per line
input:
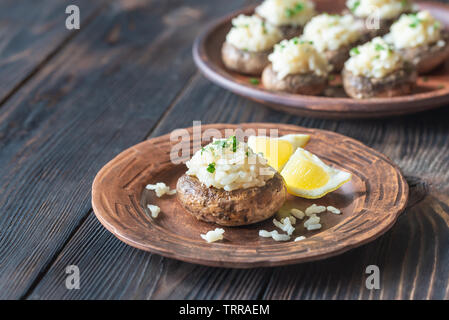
(102, 93)
(30, 33)
(412, 263)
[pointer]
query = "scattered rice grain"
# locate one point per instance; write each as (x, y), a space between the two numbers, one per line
(314, 209)
(154, 210)
(213, 235)
(297, 213)
(333, 210)
(314, 227)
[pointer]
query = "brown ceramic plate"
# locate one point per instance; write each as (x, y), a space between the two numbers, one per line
(370, 204)
(432, 90)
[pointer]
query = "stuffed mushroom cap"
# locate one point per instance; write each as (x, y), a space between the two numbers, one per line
(227, 183)
(288, 15)
(248, 44)
(333, 36)
(420, 39)
(376, 16)
(376, 70)
(296, 67)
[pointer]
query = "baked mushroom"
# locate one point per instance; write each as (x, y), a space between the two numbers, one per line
(420, 39)
(248, 44)
(376, 70)
(296, 67)
(228, 184)
(376, 16)
(289, 16)
(333, 36)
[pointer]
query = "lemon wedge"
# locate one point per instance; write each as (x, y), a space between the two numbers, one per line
(307, 176)
(277, 151)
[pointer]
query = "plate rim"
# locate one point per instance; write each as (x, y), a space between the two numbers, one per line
(154, 248)
(309, 105)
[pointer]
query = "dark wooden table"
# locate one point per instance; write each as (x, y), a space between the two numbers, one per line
(72, 100)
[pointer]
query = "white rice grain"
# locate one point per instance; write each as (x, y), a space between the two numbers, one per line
(314, 227)
(154, 210)
(333, 210)
(213, 235)
(297, 213)
(313, 209)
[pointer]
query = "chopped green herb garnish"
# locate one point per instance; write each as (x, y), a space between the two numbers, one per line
(355, 51)
(404, 3)
(355, 6)
(416, 21)
(295, 40)
(202, 150)
(290, 12)
(425, 79)
(247, 153)
(331, 77)
(234, 144)
(379, 47)
(254, 81)
(440, 86)
(211, 167)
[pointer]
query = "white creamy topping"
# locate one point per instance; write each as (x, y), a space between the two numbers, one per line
(253, 34)
(384, 9)
(296, 56)
(331, 32)
(229, 164)
(414, 30)
(286, 12)
(374, 59)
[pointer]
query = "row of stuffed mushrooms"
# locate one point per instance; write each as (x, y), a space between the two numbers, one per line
(295, 50)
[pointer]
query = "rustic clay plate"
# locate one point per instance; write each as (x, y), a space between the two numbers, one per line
(370, 203)
(432, 90)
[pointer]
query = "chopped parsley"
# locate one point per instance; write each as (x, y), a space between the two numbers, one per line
(211, 167)
(425, 79)
(290, 12)
(264, 28)
(355, 6)
(415, 22)
(440, 86)
(379, 47)
(247, 153)
(234, 144)
(254, 81)
(202, 150)
(355, 51)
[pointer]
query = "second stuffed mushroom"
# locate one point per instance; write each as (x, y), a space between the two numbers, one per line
(376, 70)
(296, 67)
(248, 44)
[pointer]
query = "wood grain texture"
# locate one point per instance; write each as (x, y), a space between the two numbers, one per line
(370, 203)
(102, 93)
(431, 91)
(30, 33)
(418, 143)
(413, 256)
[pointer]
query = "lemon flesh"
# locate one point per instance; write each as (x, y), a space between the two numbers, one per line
(277, 151)
(307, 176)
